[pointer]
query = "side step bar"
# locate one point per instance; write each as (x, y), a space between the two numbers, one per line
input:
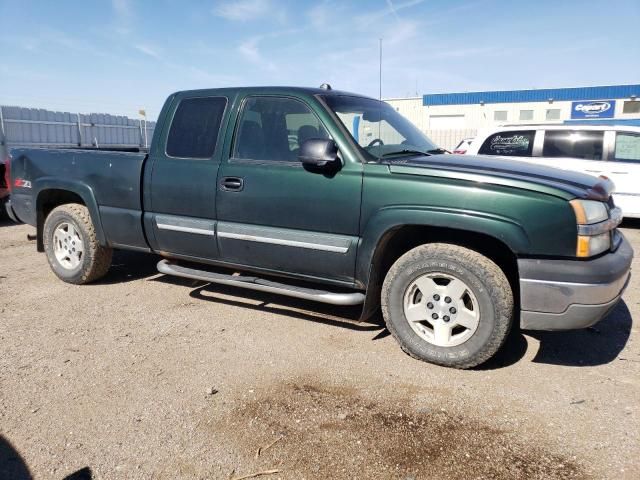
(255, 283)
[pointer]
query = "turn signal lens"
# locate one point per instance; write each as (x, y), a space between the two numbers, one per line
(588, 246)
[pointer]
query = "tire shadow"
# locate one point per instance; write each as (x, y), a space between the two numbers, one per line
(128, 266)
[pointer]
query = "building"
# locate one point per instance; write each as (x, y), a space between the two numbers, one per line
(449, 117)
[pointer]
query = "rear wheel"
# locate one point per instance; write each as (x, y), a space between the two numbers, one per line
(72, 247)
(448, 305)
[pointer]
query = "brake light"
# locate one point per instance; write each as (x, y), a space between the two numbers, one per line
(460, 152)
(7, 173)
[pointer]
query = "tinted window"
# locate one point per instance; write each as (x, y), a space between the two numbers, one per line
(573, 144)
(273, 128)
(627, 147)
(195, 126)
(517, 144)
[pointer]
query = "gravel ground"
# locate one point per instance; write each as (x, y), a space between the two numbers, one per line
(147, 376)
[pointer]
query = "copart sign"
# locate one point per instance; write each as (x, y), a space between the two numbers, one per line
(593, 109)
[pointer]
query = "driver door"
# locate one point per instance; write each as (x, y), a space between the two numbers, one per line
(275, 214)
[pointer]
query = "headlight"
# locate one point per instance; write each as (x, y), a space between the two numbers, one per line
(589, 211)
(594, 227)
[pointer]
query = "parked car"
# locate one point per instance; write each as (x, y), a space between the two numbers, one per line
(453, 248)
(613, 151)
(463, 146)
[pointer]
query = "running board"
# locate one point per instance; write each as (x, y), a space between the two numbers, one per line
(255, 283)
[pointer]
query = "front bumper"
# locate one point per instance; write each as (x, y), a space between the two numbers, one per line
(570, 294)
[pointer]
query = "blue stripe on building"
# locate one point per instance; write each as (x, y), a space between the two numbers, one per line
(539, 95)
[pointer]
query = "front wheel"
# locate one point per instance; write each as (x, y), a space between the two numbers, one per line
(447, 305)
(72, 247)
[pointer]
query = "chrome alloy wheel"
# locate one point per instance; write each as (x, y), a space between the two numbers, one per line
(68, 246)
(441, 309)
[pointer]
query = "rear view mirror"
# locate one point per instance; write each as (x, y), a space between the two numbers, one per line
(318, 152)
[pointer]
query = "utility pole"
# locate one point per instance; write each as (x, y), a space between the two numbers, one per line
(380, 73)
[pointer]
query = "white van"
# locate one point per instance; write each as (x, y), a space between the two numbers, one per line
(613, 151)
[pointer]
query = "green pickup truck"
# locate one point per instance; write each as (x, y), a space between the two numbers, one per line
(334, 197)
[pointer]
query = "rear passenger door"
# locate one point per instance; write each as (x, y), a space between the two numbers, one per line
(180, 178)
(275, 214)
(624, 170)
(577, 150)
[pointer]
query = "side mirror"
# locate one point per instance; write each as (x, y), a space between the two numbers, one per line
(318, 152)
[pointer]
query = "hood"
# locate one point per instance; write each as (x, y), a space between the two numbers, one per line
(502, 170)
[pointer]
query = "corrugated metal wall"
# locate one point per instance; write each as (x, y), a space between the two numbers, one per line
(44, 128)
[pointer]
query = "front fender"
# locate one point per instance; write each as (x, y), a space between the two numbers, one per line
(386, 220)
(46, 184)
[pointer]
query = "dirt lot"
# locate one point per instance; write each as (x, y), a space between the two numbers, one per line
(148, 376)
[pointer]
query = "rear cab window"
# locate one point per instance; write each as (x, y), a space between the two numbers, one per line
(583, 144)
(627, 148)
(195, 127)
(512, 143)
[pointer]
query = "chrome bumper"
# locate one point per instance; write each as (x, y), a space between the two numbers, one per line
(570, 294)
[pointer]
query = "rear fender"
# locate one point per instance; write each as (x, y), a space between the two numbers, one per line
(44, 187)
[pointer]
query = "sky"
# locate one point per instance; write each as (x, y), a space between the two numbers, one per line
(117, 56)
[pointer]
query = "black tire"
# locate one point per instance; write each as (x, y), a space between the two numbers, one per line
(4, 216)
(483, 278)
(95, 260)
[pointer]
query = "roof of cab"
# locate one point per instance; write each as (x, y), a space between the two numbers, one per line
(268, 90)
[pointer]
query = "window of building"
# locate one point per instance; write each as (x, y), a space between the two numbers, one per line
(632, 106)
(500, 115)
(573, 144)
(517, 144)
(195, 126)
(526, 115)
(273, 128)
(552, 114)
(627, 147)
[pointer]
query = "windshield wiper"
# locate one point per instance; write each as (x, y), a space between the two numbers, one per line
(407, 151)
(438, 151)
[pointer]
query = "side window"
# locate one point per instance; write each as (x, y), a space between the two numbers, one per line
(273, 128)
(574, 144)
(516, 144)
(627, 147)
(195, 126)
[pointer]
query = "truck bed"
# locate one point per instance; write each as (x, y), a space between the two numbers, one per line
(113, 177)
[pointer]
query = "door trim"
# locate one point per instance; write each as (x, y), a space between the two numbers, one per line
(283, 236)
(184, 224)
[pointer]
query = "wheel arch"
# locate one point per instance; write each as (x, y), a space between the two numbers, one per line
(52, 194)
(501, 246)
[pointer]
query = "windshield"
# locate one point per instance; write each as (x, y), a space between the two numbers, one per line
(378, 128)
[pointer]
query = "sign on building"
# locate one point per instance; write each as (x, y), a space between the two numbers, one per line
(593, 109)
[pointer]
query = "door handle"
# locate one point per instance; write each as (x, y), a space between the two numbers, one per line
(231, 184)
